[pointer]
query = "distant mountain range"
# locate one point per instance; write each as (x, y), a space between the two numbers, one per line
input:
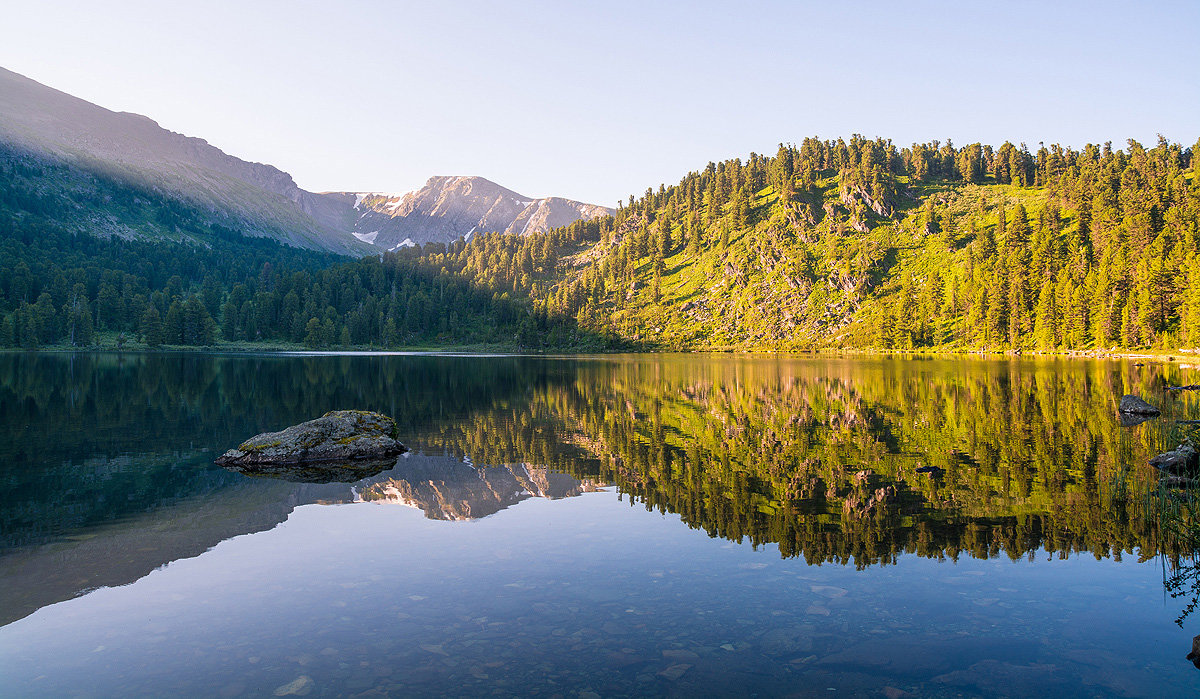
(256, 198)
(447, 208)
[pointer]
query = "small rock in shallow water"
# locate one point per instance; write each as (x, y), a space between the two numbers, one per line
(675, 671)
(783, 641)
(301, 686)
(828, 590)
(1177, 482)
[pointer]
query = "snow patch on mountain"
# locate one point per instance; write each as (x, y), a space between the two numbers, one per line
(446, 206)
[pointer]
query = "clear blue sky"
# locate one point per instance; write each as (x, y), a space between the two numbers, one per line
(595, 101)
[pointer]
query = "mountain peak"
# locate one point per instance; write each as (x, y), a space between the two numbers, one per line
(258, 198)
(449, 207)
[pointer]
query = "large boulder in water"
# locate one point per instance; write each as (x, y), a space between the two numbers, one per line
(336, 438)
(1132, 405)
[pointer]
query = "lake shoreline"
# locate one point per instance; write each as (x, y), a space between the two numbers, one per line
(292, 349)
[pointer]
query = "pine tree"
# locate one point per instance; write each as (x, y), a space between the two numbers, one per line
(151, 327)
(1046, 321)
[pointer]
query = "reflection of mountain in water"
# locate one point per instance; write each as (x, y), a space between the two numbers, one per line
(449, 489)
(105, 460)
(122, 551)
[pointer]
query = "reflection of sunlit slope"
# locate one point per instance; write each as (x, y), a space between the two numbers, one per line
(822, 457)
(819, 455)
(449, 489)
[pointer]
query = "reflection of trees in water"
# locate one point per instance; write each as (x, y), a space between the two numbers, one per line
(92, 438)
(1176, 514)
(824, 457)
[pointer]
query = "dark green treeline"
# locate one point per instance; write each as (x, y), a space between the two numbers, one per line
(839, 243)
(60, 285)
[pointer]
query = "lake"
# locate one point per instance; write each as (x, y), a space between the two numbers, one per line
(679, 525)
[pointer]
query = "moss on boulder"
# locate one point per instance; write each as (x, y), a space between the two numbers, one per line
(335, 437)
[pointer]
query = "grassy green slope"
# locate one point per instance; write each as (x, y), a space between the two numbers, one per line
(1079, 251)
(777, 286)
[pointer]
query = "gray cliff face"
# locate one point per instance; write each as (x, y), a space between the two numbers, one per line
(449, 208)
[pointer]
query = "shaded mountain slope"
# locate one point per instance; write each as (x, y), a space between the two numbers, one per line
(53, 127)
(259, 199)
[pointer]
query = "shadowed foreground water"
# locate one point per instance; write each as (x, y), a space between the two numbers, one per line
(633, 525)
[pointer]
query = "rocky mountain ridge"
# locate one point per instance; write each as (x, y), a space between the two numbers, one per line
(256, 198)
(452, 207)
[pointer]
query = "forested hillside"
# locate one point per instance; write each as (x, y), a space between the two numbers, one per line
(863, 244)
(73, 268)
(848, 244)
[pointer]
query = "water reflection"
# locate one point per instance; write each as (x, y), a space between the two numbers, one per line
(854, 461)
(450, 489)
(888, 466)
(345, 472)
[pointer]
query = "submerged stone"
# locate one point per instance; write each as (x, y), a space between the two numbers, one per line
(1137, 406)
(301, 686)
(1181, 482)
(337, 439)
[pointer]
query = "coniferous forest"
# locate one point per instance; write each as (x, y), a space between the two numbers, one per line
(829, 244)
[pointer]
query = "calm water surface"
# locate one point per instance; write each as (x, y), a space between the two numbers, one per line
(581, 527)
